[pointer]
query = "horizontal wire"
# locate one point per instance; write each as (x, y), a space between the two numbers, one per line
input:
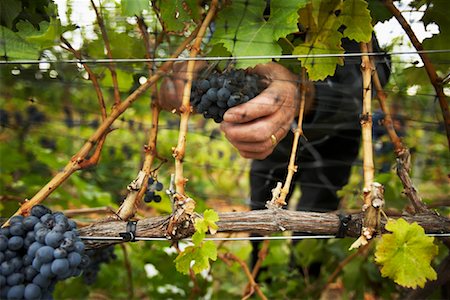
(217, 58)
(250, 238)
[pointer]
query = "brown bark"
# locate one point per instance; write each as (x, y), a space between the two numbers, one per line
(259, 221)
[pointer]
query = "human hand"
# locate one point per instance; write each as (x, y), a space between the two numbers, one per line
(255, 127)
(171, 91)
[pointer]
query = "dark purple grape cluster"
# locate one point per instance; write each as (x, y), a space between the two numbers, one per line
(214, 95)
(36, 252)
(153, 187)
(96, 258)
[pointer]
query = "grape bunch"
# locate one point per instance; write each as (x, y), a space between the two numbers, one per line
(153, 187)
(214, 95)
(36, 252)
(96, 258)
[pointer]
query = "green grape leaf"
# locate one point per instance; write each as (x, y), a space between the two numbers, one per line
(406, 254)
(243, 31)
(321, 20)
(178, 14)
(47, 36)
(197, 238)
(16, 47)
(208, 222)
(196, 256)
(319, 67)
(356, 17)
(378, 11)
(9, 10)
(134, 7)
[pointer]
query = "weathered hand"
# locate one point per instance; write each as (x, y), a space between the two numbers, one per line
(171, 91)
(252, 126)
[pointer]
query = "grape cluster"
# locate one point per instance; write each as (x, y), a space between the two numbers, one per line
(153, 187)
(37, 251)
(96, 258)
(214, 95)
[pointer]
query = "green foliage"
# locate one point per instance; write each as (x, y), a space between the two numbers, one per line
(248, 33)
(406, 254)
(197, 256)
(357, 20)
(177, 15)
(134, 7)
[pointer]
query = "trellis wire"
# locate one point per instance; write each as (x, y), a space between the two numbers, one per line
(217, 239)
(216, 58)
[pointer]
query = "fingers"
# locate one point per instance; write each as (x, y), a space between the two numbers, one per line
(254, 144)
(265, 104)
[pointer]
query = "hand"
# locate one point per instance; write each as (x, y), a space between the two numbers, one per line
(171, 91)
(250, 127)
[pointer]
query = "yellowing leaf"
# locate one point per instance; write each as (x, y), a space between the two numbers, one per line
(406, 254)
(356, 17)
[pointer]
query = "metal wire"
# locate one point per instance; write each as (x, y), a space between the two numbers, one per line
(217, 58)
(249, 238)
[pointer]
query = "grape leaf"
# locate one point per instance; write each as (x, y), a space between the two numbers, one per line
(134, 7)
(10, 9)
(197, 257)
(322, 22)
(243, 30)
(406, 254)
(15, 47)
(208, 222)
(177, 14)
(356, 17)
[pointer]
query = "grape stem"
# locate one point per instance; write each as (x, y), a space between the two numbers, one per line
(76, 162)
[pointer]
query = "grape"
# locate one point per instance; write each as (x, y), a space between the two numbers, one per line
(59, 253)
(79, 247)
(158, 186)
(41, 234)
(15, 279)
(16, 229)
(16, 262)
(60, 266)
(15, 220)
(45, 254)
(225, 90)
(32, 291)
(30, 265)
(15, 243)
(54, 238)
(96, 258)
(9, 254)
(46, 270)
(67, 244)
(16, 292)
(74, 259)
(30, 273)
(157, 198)
(27, 260)
(39, 211)
(6, 268)
(3, 243)
(41, 281)
(34, 248)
